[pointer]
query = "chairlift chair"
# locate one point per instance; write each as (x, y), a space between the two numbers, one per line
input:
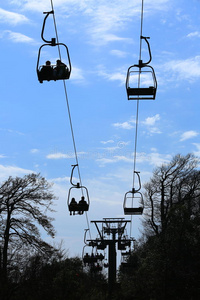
(77, 208)
(59, 71)
(133, 209)
(53, 72)
(141, 83)
(135, 200)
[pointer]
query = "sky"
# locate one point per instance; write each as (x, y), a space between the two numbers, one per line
(103, 39)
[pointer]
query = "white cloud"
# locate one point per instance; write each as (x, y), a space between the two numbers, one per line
(188, 69)
(188, 135)
(120, 145)
(59, 155)
(154, 158)
(17, 37)
(61, 179)
(118, 53)
(107, 142)
(6, 171)
(197, 153)
(125, 125)
(34, 151)
(114, 159)
(194, 34)
(77, 74)
(2, 156)
(12, 131)
(119, 74)
(11, 17)
(150, 121)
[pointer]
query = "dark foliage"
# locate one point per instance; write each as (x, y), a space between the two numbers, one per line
(166, 264)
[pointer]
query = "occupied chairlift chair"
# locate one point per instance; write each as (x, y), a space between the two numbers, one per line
(94, 257)
(52, 72)
(77, 208)
(141, 83)
(136, 198)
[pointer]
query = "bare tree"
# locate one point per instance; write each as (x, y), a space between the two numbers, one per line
(177, 182)
(24, 203)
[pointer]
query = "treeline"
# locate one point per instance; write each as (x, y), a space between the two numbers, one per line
(164, 265)
(30, 268)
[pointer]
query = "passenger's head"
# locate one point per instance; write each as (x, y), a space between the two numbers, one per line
(48, 63)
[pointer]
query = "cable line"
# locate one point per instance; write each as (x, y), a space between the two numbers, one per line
(69, 115)
(137, 112)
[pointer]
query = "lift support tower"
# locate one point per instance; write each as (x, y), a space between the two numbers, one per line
(111, 232)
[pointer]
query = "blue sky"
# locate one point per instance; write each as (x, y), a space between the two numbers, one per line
(103, 41)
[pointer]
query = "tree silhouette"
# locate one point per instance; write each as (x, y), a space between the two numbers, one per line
(171, 185)
(24, 203)
(166, 264)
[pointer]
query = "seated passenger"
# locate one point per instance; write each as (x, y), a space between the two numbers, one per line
(83, 206)
(73, 206)
(61, 71)
(46, 72)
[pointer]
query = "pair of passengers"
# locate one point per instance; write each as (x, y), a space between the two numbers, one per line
(58, 72)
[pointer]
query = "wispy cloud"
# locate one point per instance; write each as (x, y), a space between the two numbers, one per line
(33, 151)
(188, 135)
(118, 53)
(6, 171)
(150, 122)
(197, 153)
(114, 159)
(188, 69)
(105, 20)
(125, 125)
(12, 131)
(194, 34)
(77, 75)
(12, 17)
(16, 37)
(120, 145)
(61, 179)
(154, 158)
(59, 155)
(107, 142)
(117, 75)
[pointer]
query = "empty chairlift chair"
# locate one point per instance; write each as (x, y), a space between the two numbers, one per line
(141, 83)
(133, 201)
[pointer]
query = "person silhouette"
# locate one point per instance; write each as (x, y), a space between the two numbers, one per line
(46, 72)
(61, 71)
(73, 206)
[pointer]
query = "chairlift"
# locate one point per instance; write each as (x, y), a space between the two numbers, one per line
(141, 83)
(89, 258)
(92, 258)
(58, 71)
(123, 243)
(96, 268)
(77, 208)
(136, 198)
(101, 245)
